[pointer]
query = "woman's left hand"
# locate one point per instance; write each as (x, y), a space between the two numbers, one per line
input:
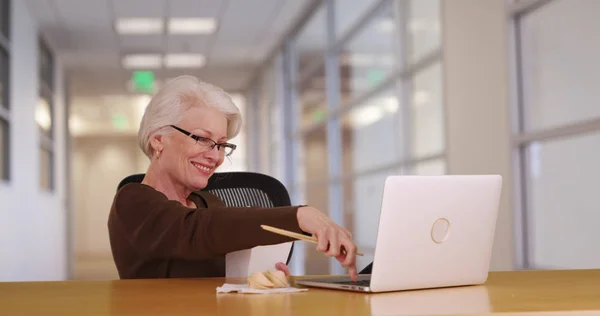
(283, 267)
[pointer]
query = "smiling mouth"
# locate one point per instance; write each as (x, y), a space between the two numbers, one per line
(202, 167)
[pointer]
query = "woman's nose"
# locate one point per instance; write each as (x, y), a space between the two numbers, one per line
(213, 153)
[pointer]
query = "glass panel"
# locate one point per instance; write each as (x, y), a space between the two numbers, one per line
(347, 14)
(312, 99)
(4, 79)
(362, 208)
(46, 66)
(316, 168)
(316, 190)
(267, 97)
(311, 41)
(43, 116)
(435, 167)
(427, 112)
(310, 80)
(5, 18)
(423, 27)
(562, 178)
(370, 56)
(4, 149)
(366, 129)
(250, 127)
(45, 169)
(277, 134)
(560, 52)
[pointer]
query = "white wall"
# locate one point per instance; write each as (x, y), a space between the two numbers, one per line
(99, 164)
(477, 103)
(33, 243)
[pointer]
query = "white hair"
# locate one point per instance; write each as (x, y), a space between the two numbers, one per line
(169, 105)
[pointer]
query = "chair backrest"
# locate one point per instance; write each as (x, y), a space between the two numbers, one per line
(240, 189)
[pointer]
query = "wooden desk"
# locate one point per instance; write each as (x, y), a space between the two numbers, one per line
(527, 291)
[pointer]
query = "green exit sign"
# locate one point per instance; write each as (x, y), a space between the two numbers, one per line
(143, 81)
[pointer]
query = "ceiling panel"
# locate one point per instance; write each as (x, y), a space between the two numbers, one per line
(226, 56)
(137, 8)
(142, 43)
(251, 16)
(188, 43)
(94, 39)
(57, 38)
(43, 11)
(195, 8)
(82, 32)
(77, 14)
(289, 11)
(92, 59)
(86, 82)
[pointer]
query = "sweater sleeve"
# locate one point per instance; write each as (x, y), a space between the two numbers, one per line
(161, 228)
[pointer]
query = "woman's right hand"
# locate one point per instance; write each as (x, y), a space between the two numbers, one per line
(333, 240)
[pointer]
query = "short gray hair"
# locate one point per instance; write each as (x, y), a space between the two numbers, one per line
(171, 102)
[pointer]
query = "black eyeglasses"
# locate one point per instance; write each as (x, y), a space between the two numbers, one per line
(208, 144)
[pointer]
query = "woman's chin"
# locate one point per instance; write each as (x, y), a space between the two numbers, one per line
(199, 182)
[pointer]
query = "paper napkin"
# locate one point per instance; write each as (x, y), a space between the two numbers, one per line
(245, 289)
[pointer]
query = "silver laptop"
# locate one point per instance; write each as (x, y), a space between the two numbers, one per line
(434, 231)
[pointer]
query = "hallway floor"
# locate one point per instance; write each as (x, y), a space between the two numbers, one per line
(95, 268)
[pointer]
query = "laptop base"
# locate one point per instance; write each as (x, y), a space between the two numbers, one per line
(340, 283)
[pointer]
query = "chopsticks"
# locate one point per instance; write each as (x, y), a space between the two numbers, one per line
(287, 233)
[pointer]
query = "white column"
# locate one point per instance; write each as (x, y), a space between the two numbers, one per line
(476, 67)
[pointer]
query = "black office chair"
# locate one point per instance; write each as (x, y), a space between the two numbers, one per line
(237, 189)
(240, 189)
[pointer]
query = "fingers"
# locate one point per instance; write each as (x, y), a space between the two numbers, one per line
(322, 240)
(334, 245)
(353, 273)
(348, 233)
(283, 268)
(351, 269)
(350, 259)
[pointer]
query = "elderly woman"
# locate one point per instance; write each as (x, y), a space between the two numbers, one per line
(164, 227)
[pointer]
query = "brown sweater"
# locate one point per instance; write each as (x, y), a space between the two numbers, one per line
(154, 237)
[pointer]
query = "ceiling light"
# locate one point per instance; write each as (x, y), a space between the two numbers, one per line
(145, 61)
(390, 104)
(184, 60)
(366, 115)
(192, 25)
(76, 125)
(42, 115)
(139, 26)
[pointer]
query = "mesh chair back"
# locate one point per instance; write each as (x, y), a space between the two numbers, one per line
(240, 189)
(248, 189)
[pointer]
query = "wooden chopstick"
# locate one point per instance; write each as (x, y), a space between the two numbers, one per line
(288, 233)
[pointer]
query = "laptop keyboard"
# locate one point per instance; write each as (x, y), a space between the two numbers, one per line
(357, 283)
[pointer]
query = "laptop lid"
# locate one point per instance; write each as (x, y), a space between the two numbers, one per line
(435, 231)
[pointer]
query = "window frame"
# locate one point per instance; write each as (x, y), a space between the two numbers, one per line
(523, 138)
(5, 106)
(46, 91)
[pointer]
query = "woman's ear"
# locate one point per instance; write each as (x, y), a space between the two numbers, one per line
(157, 143)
